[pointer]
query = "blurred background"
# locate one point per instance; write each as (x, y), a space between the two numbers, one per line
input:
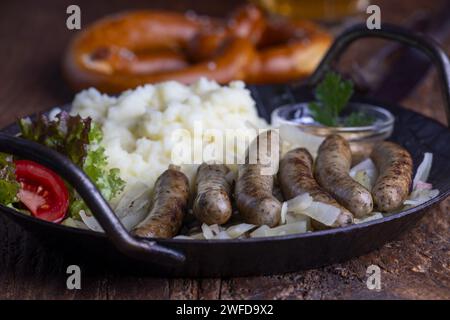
(34, 37)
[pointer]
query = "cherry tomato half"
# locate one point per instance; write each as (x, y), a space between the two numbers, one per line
(42, 191)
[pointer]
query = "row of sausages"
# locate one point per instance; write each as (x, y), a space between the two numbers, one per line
(327, 180)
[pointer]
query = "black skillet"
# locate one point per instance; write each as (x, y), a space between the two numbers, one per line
(206, 258)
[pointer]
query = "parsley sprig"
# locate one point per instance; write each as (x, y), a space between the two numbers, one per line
(332, 96)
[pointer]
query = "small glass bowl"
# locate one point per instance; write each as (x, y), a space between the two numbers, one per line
(362, 139)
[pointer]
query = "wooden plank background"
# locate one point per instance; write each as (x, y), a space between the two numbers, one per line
(34, 36)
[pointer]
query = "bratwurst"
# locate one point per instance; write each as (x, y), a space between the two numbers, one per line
(254, 186)
(169, 204)
(296, 177)
(394, 166)
(212, 203)
(254, 197)
(332, 172)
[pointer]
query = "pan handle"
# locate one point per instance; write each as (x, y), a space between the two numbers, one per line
(391, 32)
(137, 248)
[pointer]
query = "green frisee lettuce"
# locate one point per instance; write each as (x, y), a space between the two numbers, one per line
(9, 187)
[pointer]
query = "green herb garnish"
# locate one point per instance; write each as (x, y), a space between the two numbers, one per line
(332, 96)
(358, 119)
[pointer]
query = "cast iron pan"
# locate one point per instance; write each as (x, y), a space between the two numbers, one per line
(207, 258)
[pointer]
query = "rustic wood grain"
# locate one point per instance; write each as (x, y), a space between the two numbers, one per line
(416, 266)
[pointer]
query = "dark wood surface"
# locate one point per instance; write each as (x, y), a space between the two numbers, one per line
(34, 36)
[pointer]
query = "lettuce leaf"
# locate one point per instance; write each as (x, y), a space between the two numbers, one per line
(95, 164)
(79, 139)
(66, 134)
(9, 187)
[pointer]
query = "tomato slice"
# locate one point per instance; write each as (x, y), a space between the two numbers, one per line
(42, 191)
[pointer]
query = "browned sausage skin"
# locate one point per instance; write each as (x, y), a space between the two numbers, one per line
(332, 173)
(254, 197)
(212, 203)
(395, 167)
(296, 177)
(170, 199)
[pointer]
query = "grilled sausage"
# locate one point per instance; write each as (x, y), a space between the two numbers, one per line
(332, 173)
(395, 167)
(254, 198)
(212, 203)
(169, 205)
(296, 177)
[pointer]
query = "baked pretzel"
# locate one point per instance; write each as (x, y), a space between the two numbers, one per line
(134, 48)
(288, 50)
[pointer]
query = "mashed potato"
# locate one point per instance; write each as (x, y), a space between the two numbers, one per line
(139, 125)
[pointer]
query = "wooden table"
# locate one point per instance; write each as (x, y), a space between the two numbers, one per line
(34, 36)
